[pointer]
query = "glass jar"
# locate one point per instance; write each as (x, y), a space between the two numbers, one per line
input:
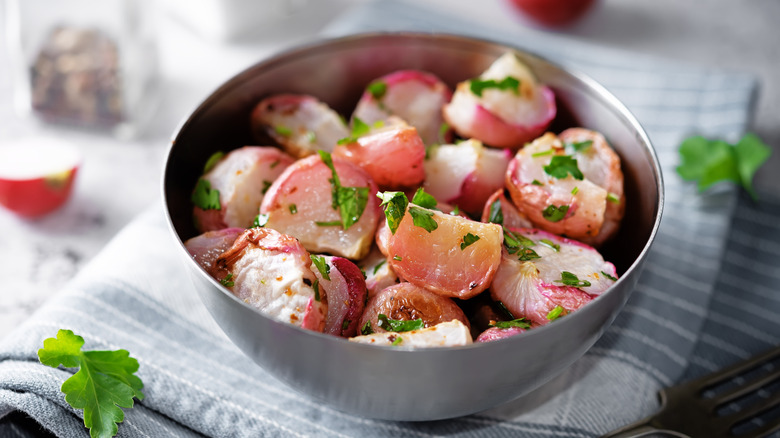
(86, 63)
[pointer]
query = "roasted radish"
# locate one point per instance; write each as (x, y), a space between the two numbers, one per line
(495, 333)
(301, 124)
(505, 107)
(414, 96)
(543, 276)
(207, 247)
(270, 272)
(344, 289)
(565, 184)
(233, 186)
(326, 202)
(379, 274)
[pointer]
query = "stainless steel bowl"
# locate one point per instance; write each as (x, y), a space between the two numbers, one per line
(383, 382)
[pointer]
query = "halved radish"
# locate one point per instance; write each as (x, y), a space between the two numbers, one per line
(300, 123)
(505, 107)
(300, 203)
(344, 290)
(270, 271)
(415, 96)
(230, 192)
(499, 209)
(207, 247)
(379, 274)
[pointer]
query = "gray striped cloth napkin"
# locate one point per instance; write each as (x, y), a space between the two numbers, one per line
(706, 298)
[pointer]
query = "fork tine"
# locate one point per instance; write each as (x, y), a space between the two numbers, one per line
(755, 410)
(743, 390)
(737, 369)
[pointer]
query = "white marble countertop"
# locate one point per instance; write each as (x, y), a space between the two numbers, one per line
(119, 178)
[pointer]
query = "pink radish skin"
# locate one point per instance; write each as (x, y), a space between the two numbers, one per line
(241, 177)
(302, 196)
(435, 260)
(270, 272)
(495, 333)
(207, 247)
(345, 293)
(392, 156)
(379, 273)
(512, 216)
(300, 123)
(416, 97)
(532, 289)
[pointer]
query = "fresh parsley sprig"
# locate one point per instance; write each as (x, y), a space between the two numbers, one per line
(349, 201)
(104, 383)
(397, 325)
(477, 86)
(359, 129)
(205, 197)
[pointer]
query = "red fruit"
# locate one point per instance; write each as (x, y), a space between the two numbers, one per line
(554, 12)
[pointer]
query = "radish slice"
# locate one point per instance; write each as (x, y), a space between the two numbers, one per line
(495, 333)
(241, 179)
(500, 210)
(301, 124)
(207, 247)
(345, 292)
(465, 174)
(446, 334)
(505, 117)
(415, 96)
(393, 155)
(379, 274)
(270, 272)
(556, 272)
(440, 259)
(302, 197)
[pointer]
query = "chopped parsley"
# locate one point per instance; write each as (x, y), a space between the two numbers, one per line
(562, 165)
(377, 89)
(555, 313)
(293, 209)
(345, 324)
(527, 254)
(578, 146)
(569, 279)
(316, 287)
(212, 161)
(516, 243)
(555, 213)
(395, 325)
(322, 266)
(550, 244)
(266, 186)
(349, 201)
(397, 341)
(311, 136)
(443, 130)
(496, 215)
(575, 190)
(542, 153)
(455, 211)
(506, 311)
(477, 86)
(366, 329)
(613, 198)
(423, 218)
(468, 239)
(608, 276)
(397, 257)
(227, 281)
(359, 129)
(205, 197)
(536, 182)
(274, 164)
(520, 322)
(423, 199)
(394, 204)
(260, 220)
(379, 266)
(283, 130)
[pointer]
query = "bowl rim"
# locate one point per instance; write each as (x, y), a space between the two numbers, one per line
(283, 55)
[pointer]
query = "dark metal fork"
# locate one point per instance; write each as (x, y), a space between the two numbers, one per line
(694, 409)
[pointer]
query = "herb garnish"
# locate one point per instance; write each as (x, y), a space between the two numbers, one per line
(575, 190)
(316, 287)
(311, 136)
(520, 322)
(283, 131)
(366, 329)
(550, 244)
(397, 341)
(578, 146)
(423, 218)
(613, 198)
(293, 208)
(266, 186)
(349, 201)
(322, 266)
(377, 89)
(536, 182)
(394, 204)
(496, 215)
(205, 197)
(260, 220)
(274, 164)
(608, 276)
(212, 161)
(395, 325)
(359, 129)
(555, 213)
(227, 281)
(562, 165)
(555, 313)
(423, 199)
(508, 83)
(104, 383)
(516, 243)
(397, 257)
(379, 266)
(468, 239)
(569, 279)
(542, 153)
(345, 324)
(443, 129)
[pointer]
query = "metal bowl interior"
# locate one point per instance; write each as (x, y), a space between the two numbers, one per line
(379, 382)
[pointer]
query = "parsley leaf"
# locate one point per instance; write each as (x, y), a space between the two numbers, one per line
(350, 201)
(569, 279)
(377, 89)
(468, 239)
(212, 161)
(394, 204)
(508, 83)
(359, 129)
(293, 208)
(423, 218)
(608, 276)
(205, 197)
(316, 287)
(260, 220)
(555, 213)
(578, 146)
(443, 130)
(104, 383)
(395, 325)
(283, 130)
(366, 329)
(227, 281)
(520, 322)
(562, 165)
(711, 161)
(423, 199)
(266, 186)
(550, 244)
(322, 266)
(496, 215)
(555, 313)
(379, 266)
(397, 341)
